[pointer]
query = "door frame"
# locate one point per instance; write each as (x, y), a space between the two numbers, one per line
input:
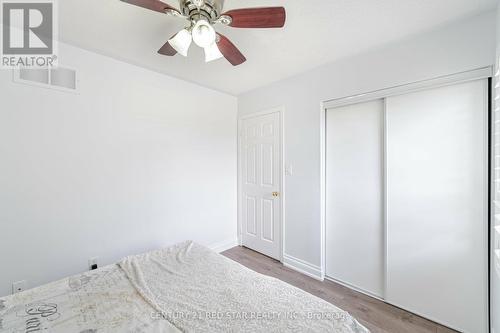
(281, 111)
(462, 77)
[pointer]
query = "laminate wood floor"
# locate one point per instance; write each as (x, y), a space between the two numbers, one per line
(376, 315)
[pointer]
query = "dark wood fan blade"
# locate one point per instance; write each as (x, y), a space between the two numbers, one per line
(155, 5)
(230, 51)
(167, 50)
(268, 17)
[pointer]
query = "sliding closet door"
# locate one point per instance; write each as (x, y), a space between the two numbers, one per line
(354, 194)
(437, 204)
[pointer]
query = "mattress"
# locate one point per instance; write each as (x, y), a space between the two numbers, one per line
(183, 288)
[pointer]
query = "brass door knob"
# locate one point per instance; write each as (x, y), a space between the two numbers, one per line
(276, 194)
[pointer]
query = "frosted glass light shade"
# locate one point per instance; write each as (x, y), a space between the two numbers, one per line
(181, 42)
(212, 53)
(203, 34)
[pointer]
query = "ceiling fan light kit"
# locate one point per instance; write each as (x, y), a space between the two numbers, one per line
(181, 42)
(213, 53)
(202, 16)
(203, 34)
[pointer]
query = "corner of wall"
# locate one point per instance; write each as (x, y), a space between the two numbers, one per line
(303, 267)
(224, 245)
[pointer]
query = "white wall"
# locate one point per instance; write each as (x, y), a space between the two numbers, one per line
(135, 161)
(456, 48)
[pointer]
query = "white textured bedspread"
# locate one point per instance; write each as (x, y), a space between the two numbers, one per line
(199, 290)
(100, 301)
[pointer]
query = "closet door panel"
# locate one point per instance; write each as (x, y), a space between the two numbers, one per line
(436, 204)
(354, 231)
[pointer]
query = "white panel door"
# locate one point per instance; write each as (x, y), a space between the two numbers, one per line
(354, 195)
(437, 204)
(260, 158)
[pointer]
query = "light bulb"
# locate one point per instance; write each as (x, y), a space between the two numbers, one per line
(212, 52)
(203, 34)
(181, 42)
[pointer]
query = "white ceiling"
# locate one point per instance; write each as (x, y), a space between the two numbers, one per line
(316, 32)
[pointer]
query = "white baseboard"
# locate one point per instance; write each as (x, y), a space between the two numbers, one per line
(224, 245)
(303, 267)
(353, 287)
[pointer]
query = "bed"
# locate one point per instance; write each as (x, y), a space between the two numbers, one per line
(183, 288)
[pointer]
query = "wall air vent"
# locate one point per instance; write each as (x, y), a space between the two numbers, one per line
(60, 78)
(63, 77)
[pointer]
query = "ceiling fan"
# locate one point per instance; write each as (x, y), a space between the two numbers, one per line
(202, 15)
